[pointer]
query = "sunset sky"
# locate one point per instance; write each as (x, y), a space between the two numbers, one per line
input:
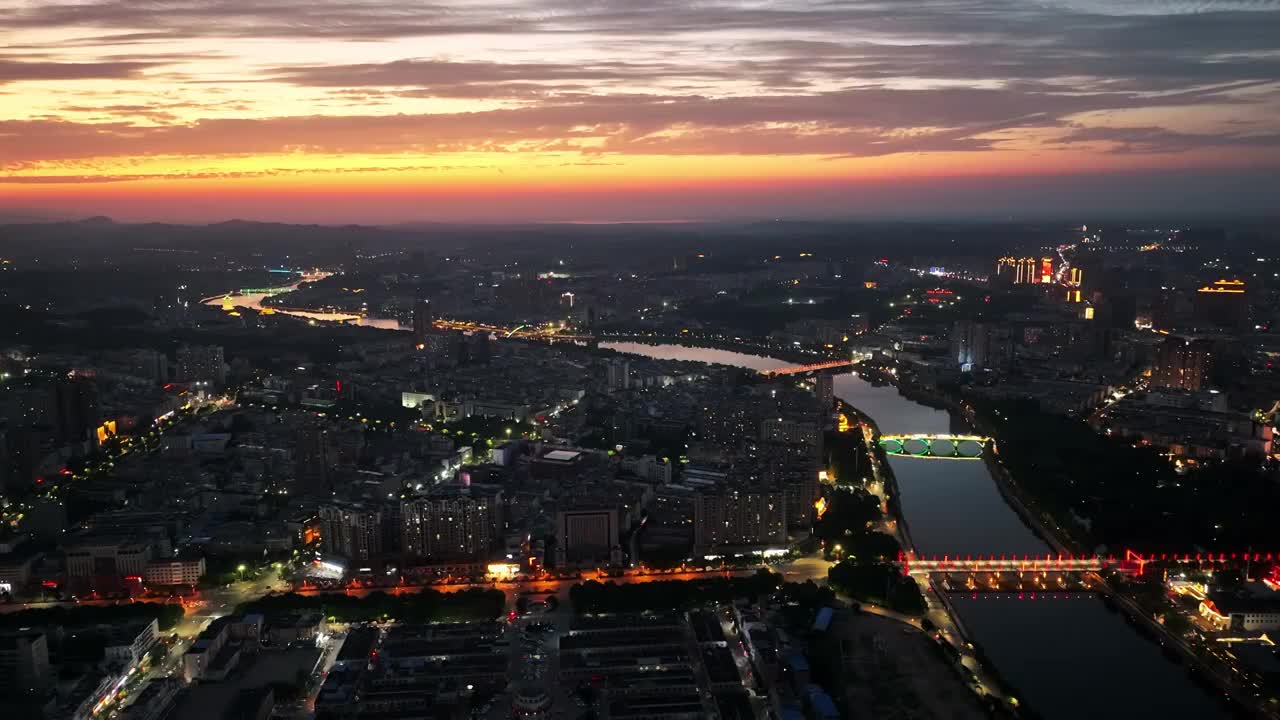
(356, 111)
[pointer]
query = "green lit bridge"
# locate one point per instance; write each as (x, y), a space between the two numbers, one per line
(936, 447)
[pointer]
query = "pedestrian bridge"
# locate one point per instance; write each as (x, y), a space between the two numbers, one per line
(945, 447)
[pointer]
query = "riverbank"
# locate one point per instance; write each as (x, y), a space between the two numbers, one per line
(1051, 531)
(949, 626)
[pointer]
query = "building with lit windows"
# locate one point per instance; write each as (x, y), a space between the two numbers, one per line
(423, 319)
(1183, 363)
(1242, 612)
(451, 523)
(352, 531)
(202, 363)
(174, 571)
(739, 517)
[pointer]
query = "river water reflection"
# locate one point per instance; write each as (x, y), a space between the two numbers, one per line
(1069, 656)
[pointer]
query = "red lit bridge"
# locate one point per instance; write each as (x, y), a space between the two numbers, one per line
(1130, 562)
(801, 369)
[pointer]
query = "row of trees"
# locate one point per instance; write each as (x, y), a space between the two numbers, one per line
(597, 597)
(877, 582)
(1130, 497)
(428, 605)
(866, 571)
(166, 615)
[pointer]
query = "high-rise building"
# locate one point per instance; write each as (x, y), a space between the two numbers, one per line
(353, 531)
(1183, 363)
(826, 390)
(24, 659)
(792, 429)
(77, 408)
(1222, 304)
(6, 461)
(1046, 270)
(423, 319)
(312, 462)
(202, 363)
(739, 517)
(1019, 271)
(150, 364)
(28, 446)
(451, 523)
(618, 374)
(979, 346)
(477, 347)
(587, 536)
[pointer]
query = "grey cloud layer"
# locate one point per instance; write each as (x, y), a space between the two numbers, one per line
(756, 77)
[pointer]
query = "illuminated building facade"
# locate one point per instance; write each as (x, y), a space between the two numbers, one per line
(1020, 271)
(1046, 270)
(1223, 304)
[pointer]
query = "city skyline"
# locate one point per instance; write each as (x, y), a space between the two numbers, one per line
(546, 111)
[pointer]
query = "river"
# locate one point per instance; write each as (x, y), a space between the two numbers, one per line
(1068, 656)
(253, 301)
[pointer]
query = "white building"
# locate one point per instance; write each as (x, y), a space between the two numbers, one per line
(107, 557)
(127, 644)
(174, 571)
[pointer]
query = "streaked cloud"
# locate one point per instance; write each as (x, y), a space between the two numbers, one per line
(104, 82)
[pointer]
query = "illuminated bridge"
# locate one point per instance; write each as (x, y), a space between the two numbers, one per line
(265, 291)
(1131, 562)
(801, 369)
(915, 565)
(949, 447)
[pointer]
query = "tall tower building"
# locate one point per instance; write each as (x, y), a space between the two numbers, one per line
(980, 346)
(24, 659)
(826, 390)
(739, 517)
(352, 531)
(618, 374)
(77, 408)
(312, 463)
(423, 319)
(450, 523)
(202, 362)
